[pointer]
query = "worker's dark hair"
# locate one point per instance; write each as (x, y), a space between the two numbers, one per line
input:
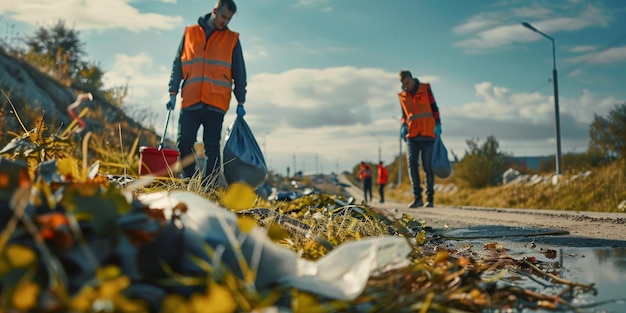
(405, 73)
(230, 5)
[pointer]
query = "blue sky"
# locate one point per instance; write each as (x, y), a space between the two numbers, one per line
(322, 74)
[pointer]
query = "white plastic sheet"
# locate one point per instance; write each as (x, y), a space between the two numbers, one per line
(341, 274)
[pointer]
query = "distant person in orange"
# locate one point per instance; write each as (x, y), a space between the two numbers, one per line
(365, 174)
(420, 126)
(382, 180)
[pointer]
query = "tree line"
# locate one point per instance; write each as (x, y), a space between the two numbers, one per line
(58, 51)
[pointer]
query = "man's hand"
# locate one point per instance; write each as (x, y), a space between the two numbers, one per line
(240, 110)
(404, 129)
(438, 130)
(172, 103)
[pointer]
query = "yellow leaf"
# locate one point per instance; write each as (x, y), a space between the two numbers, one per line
(239, 196)
(68, 168)
(305, 302)
(174, 303)
(25, 296)
(221, 299)
(129, 305)
(199, 302)
(246, 224)
(110, 288)
(277, 233)
(19, 255)
(83, 300)
(108, 272)
(217, 298)
(442, 256)
(420, 238)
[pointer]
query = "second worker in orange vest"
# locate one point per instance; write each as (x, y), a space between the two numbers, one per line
(420, 125)
(208, 62)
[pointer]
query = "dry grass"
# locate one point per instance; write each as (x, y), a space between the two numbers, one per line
(601, 191)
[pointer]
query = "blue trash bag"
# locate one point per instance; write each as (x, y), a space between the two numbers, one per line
(440, 162)
(243, 159)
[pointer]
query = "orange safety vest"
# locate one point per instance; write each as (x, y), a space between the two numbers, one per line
(418, 112)
(206, 67)
(365, 172)
(382, 175)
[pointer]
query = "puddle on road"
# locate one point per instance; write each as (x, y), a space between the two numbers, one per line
(605, 267)
(497, 231)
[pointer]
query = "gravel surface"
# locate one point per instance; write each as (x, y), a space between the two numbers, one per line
(582, 229)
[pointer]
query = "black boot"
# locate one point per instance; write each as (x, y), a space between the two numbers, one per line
(430, 202)
(417, 203)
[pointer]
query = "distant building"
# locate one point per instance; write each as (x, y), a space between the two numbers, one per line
(529, 162)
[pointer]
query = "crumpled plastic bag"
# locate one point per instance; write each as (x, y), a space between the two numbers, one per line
(440, 163)
(341, 274)
(344, 271)
(243, 159)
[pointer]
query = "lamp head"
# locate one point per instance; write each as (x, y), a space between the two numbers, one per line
(527, 25)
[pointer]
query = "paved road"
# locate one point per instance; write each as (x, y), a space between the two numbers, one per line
(584, 229)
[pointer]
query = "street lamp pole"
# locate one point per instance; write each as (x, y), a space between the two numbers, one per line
(294, 160)
(380, 158)
(265, 144)
(555, 85)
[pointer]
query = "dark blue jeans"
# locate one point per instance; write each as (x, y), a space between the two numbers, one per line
(188, 125)
(367, 188)
(425, 148)
(381, 192)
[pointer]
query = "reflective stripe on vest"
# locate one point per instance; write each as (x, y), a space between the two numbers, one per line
(207, 67)
(417, 108)
(414, 116)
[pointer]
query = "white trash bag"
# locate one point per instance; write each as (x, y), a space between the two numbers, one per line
(341, 274)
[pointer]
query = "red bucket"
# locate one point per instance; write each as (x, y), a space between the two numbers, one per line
(159, 163)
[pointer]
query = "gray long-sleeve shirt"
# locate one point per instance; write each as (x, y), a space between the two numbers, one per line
(238, 66)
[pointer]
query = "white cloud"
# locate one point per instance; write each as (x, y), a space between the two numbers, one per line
(495, 37)
(146, 81)
(97, 15)
(473, 25)
(323, 5)
(501, 32)
(500, 103)
(255, 53)
(574, 73)
(579, 49)
(534, 12)
(608, 56)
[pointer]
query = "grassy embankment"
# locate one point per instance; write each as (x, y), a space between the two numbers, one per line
(601, 191)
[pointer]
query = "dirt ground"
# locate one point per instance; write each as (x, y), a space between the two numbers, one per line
(580, 229)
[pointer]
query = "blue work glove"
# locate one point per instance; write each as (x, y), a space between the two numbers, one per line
(438, 130)
(172, 103)
(404, 129)
(240, 110)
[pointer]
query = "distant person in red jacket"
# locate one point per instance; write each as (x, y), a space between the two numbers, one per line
(382, 180)
(365, 174)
